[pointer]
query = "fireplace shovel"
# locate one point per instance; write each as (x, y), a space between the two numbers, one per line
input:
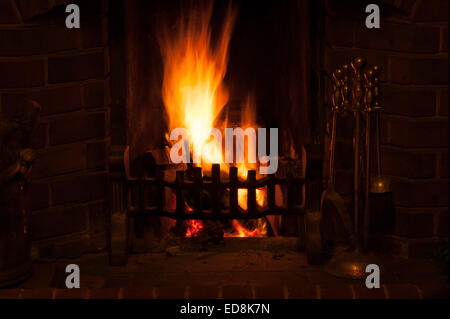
(330, 196)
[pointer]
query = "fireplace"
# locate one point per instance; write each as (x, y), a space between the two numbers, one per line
(193, 70)
(101, 184)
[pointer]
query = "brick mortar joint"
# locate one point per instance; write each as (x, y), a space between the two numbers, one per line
(54, 55)
(389, 53)
(87, 293)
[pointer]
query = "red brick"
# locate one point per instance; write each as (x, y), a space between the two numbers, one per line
(407, 70)
(385, 128)
(138, 293)
(388, 245)
(105, 293)
(170, 292)
(38, 293)
(409, 102)
(97, 155)
(422, 248)
(10, 293)
(60, 160)
(76, 67)
(444, 38)
(339, 32)
(94, 95)
(74, 293)
(399, 37)
(336, 292)
(38, 40)
(203, 292)
(414, 224)
(269, 292)
(59, 2)
(305, 291)
(423, 134)
(76, 128)
(39, 193)
(52, 101)
(343, 9)
(94, 32)
(94, 8)
(362, 292)
(39, 136)
(57, 222)
(432, 10)
(97, 217)
(58, 100)
(7, 14)
(402, 291)
(78, 188)
(408, 164)
(443, 165)
(22, 74)
(443, 105)
(236, 292)
(434, 291)
(420, 194)
(442, 224)
(74, 247)
(29, 9)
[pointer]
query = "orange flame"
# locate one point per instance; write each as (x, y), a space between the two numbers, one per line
(194, 93)
(194, 227)
(241, 231)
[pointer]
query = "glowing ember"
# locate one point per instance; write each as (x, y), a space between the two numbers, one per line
(194, 227)
(241, 231)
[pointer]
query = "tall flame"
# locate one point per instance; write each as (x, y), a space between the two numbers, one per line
(194, 93)
(193, 90)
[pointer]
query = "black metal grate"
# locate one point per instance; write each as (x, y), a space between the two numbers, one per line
(139, 200)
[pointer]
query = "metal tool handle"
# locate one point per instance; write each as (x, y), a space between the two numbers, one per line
(357, 65)
(337, 101)
(368, 105)
(377, 108)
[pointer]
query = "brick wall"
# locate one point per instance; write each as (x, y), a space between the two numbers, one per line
(67, 72)
(412, 49)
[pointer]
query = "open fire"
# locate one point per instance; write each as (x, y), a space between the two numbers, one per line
(194, 96)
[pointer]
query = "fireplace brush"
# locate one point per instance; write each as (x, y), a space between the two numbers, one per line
(382, 206)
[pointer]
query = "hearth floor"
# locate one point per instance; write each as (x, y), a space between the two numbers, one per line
(229, 274)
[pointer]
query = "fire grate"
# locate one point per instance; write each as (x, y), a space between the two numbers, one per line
(215, 187)
(134, 196)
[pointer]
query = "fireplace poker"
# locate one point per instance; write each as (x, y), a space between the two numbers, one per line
(380, 184)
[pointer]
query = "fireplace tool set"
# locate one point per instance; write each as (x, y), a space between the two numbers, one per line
(358, 92)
